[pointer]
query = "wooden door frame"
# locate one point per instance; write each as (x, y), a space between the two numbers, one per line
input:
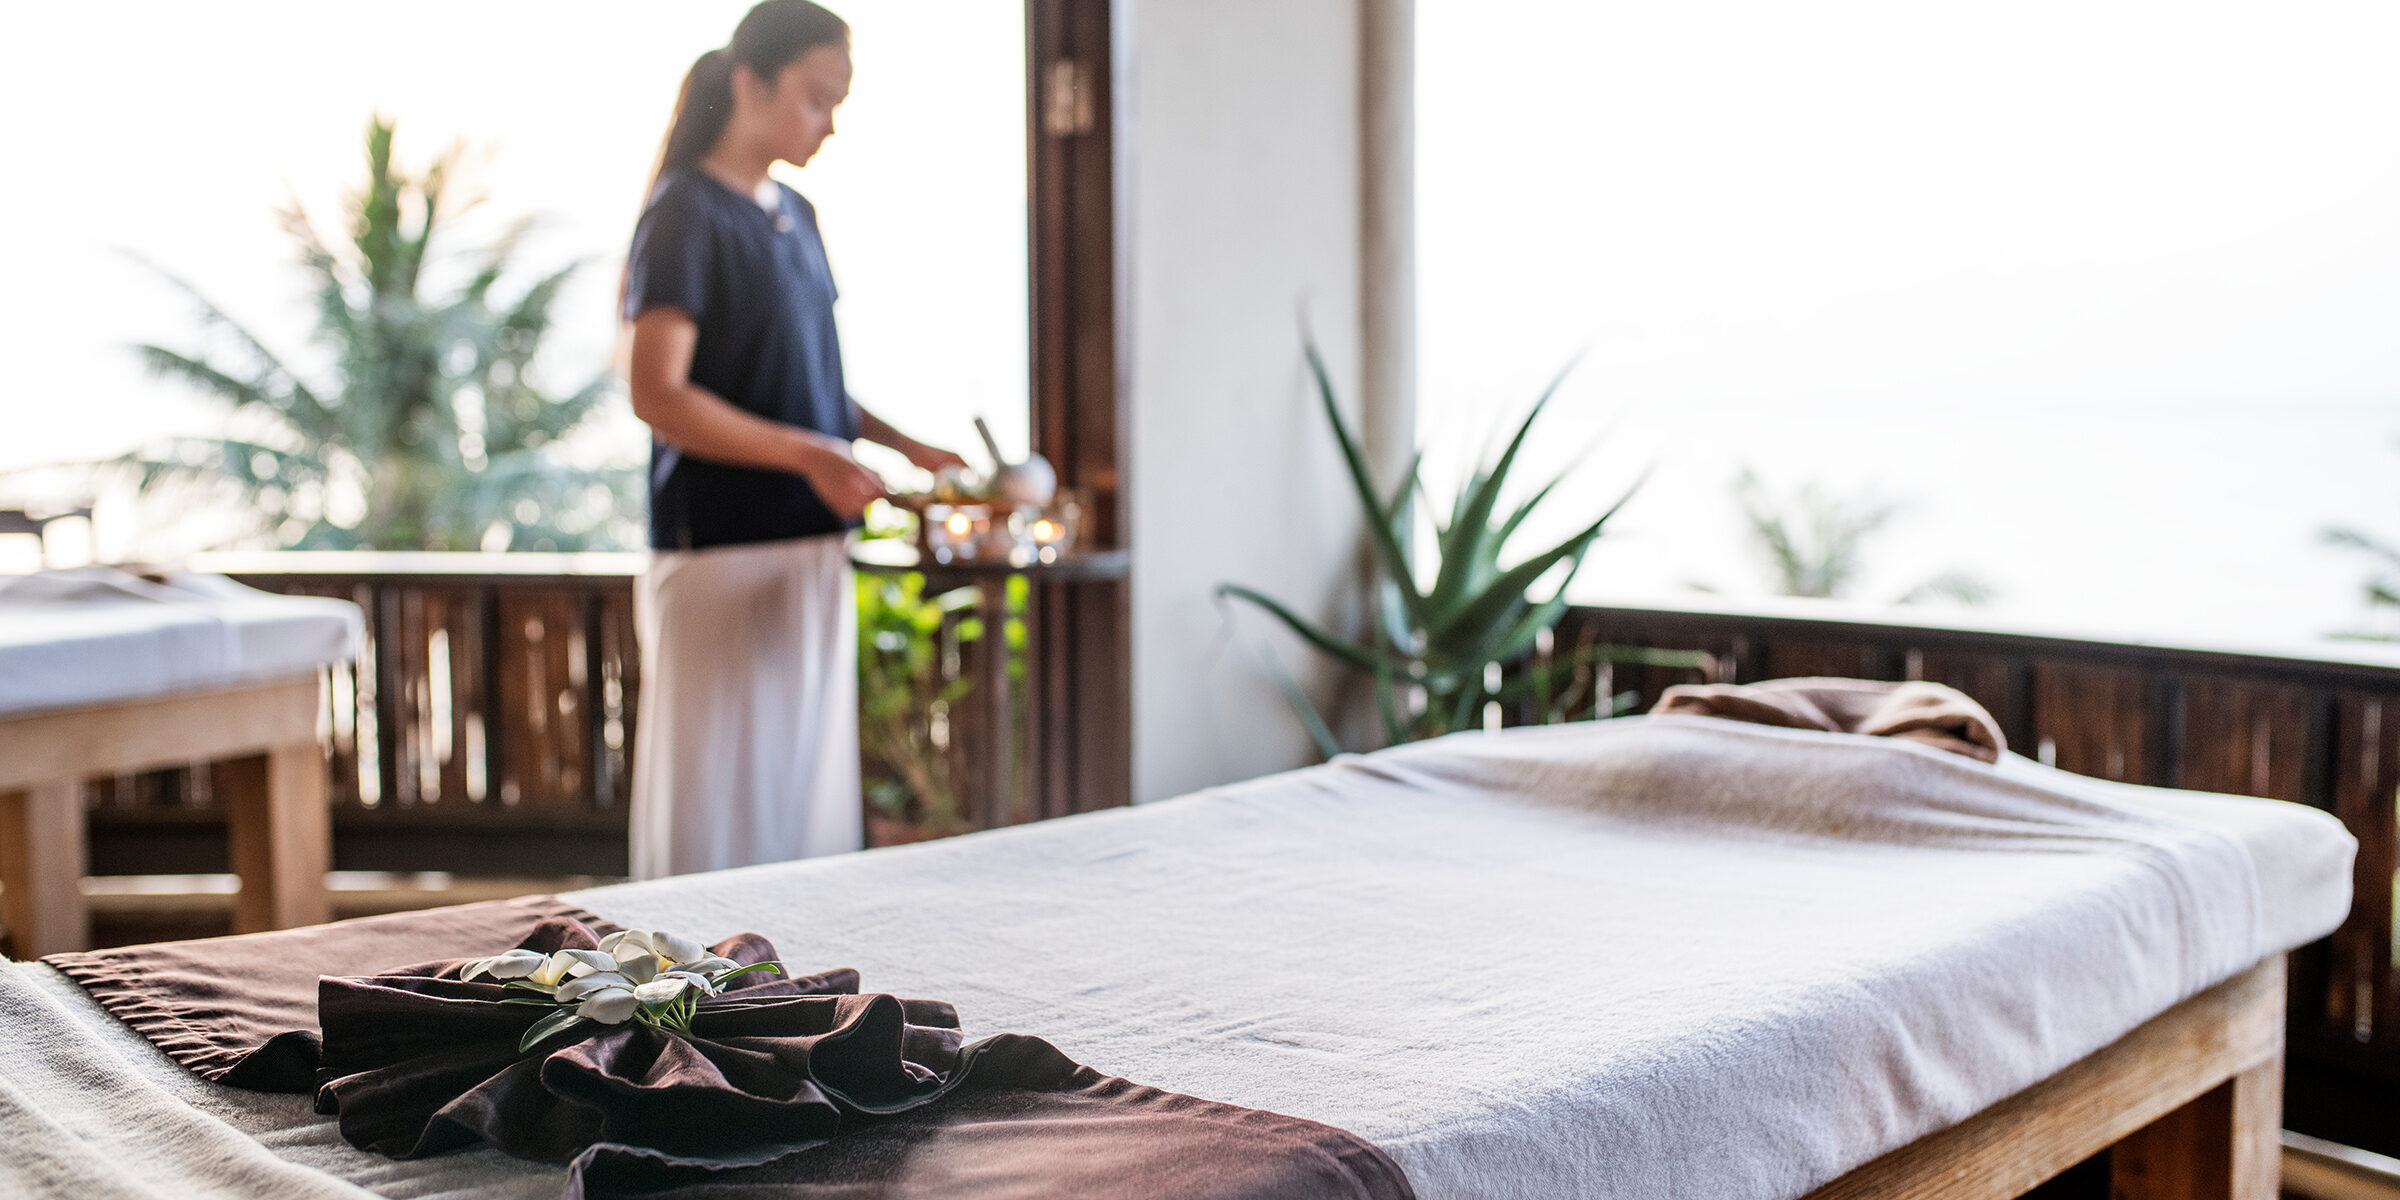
(1079, 668)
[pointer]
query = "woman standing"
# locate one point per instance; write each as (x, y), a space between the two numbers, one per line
(747, 750)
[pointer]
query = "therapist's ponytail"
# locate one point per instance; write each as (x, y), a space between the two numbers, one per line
(770, 37)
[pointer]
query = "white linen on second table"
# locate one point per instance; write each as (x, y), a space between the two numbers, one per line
(93, 635)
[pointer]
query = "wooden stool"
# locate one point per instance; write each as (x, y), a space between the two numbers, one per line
(275, 807)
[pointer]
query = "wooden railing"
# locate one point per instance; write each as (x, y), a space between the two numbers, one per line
(487, 727)
(2319, 727)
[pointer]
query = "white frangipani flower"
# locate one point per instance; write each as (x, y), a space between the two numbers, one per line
(663, 990)
(707, 986)
(584, 985)
(648, 975)
(552, 972)
(677, 948)
(616, 943)
(588, 961)
(609, 1006)
(508, 964)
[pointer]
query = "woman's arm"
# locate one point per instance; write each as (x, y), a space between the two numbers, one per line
(925, 458)
(701, 423)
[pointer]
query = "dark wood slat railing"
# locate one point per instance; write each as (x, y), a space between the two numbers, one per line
(487, 727)
(2321, 731)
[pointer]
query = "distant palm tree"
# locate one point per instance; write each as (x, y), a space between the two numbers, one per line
(2382, 588)
(1813, 543)
(427, 430)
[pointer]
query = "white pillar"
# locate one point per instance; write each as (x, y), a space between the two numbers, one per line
(1388, 231)
(1240, 133)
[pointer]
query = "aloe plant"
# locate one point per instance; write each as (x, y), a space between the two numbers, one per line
(1440, 651)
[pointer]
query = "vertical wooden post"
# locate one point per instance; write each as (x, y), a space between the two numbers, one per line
(1079, 634)
(280, 838)
(995, 792)
(2225, 1145)
(42, 858)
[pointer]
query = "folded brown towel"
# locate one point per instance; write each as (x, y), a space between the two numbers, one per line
(243, 1010)
(783, 1087)
(1935, 714)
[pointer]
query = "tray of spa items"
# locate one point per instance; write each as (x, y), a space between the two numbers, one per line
(956, 527)
(1015, 515)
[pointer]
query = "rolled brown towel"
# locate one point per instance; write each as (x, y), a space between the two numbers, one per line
(1935, 714)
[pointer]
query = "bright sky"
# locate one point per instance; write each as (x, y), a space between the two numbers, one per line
(207, 116)
(2108, 291)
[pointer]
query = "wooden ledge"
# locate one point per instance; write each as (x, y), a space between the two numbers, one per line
(158, 731)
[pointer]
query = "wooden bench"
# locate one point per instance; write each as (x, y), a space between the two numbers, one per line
(276, 815)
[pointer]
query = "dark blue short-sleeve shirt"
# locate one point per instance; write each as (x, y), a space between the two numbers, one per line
(757, 285)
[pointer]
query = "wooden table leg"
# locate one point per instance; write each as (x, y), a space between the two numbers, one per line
(281, 838)
(2225, 1145)
(997, 791)
(41, 869)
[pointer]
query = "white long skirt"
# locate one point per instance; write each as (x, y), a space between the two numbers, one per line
(747, 747)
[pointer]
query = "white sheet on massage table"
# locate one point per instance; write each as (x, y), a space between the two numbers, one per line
(1600, 993)
(94, 635)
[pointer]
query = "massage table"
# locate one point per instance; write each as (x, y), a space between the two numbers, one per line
(104, 672)
(1654, 957)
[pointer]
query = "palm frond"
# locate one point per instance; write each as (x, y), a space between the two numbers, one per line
(1309, 632)
(1379, 519)
(1470, 551)
(279, 387)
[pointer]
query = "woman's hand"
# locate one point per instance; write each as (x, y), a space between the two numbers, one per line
(838, 479)
(931, 459)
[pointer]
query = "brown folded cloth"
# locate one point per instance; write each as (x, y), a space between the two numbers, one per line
(1024, 1120)
(1936, 714)
(243, 1010)
(785, 1087)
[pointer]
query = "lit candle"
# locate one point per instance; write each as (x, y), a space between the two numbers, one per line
(956, 531)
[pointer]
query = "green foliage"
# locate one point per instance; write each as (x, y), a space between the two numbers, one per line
(429, 430)
(1440, 652)
(908, 683)
(2382, 586)
(1811, 540)
(1813, 543)
(911, 683)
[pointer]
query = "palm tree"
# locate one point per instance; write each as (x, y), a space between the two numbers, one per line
(2381, 589)
(430, 430)
(1813, 543)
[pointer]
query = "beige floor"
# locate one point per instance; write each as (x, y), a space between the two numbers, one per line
(2321, 1170)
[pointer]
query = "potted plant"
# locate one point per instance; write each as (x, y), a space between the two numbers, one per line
(1449, 637)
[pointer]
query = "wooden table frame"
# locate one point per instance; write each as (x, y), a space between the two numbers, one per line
(2192, 1104)
(280, 831)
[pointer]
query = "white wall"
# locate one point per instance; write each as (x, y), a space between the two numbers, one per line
(1240, 147)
